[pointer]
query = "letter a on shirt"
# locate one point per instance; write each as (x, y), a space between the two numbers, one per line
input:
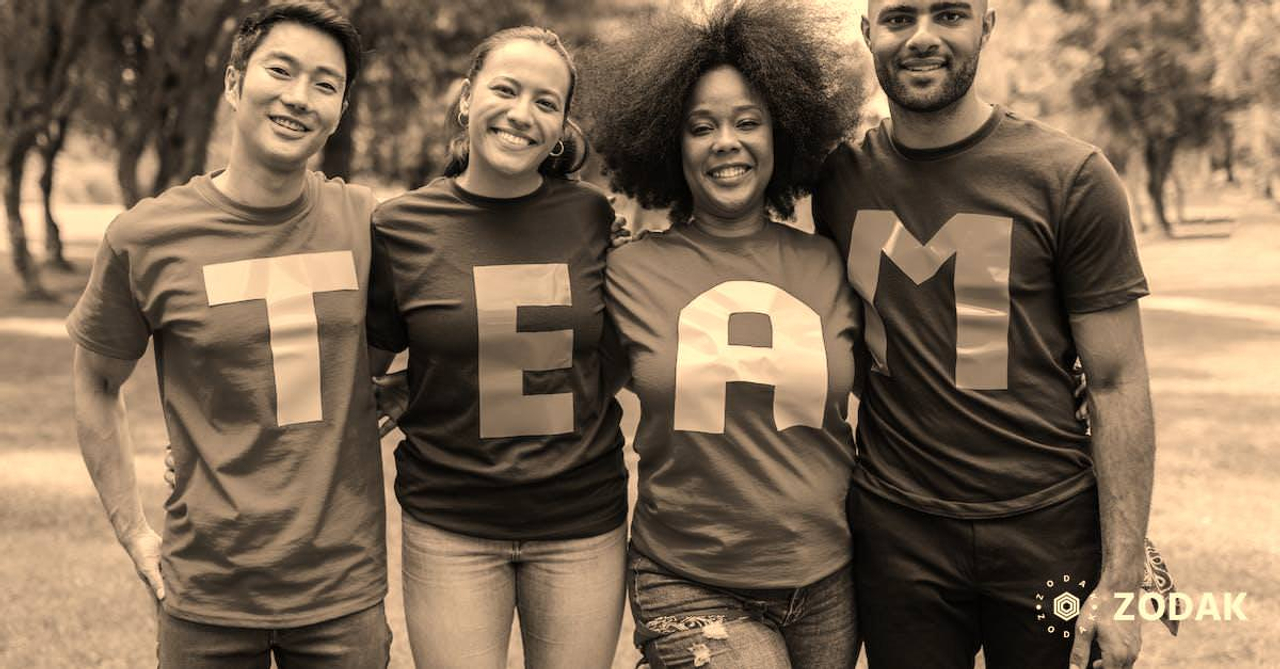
(706, 361)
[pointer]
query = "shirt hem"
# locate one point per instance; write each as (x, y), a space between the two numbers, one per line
(80, 339)
(706, 578)
(1055, 493)
(275, 622)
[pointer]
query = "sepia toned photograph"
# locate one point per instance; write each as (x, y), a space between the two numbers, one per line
(614, 334)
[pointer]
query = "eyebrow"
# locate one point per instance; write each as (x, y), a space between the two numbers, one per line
(323, 69)
(703, 111)
(935, 7)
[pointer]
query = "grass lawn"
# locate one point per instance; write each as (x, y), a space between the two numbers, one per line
(69, 598)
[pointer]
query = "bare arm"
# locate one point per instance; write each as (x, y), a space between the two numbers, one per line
(103, 430)
(1110, 346)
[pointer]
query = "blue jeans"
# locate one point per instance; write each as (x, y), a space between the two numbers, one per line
(461, 592)
(360, 640)
(684, 623)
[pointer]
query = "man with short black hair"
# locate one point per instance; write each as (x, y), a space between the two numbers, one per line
(990, 251)
(251, 282)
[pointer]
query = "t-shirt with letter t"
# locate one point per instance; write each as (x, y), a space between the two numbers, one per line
(257, 319)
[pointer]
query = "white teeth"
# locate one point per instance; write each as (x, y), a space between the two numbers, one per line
(512, 139)
(728, 172)
(289, 123)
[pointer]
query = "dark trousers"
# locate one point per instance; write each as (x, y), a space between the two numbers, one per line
(361, 640)
(933, 590)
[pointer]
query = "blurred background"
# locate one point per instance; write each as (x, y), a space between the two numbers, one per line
(105, 102)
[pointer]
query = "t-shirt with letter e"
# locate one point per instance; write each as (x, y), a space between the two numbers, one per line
(741, 352)
(969, 260)
(511, 431)
(257, 316)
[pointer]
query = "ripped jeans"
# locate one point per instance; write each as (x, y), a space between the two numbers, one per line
(684, 623)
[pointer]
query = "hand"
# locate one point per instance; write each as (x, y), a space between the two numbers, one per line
(143, 548)
(1119, 640)
(170, 469)
(619, 234)
(391, 394)
(1081, 393)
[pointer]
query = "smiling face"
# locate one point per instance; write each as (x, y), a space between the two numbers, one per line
(288, 99)
(926, 51)
(515, 108)
(727, 147)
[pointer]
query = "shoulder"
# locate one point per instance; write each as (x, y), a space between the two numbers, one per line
(1061, 151)
(331, 188)
(654, 247)
(588, 193)
(813, 253)
(413, 203)
(141, 223)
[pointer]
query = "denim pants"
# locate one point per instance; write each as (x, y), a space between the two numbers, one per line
(684, 623)
(360, 640)
(460, 593)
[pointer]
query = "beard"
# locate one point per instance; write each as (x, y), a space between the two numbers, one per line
(960, 76)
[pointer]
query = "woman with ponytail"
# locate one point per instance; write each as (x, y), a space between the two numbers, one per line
(510, 475)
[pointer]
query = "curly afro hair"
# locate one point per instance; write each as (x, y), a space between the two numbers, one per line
(635, 90)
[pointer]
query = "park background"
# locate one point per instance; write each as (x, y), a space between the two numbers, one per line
(105, 102)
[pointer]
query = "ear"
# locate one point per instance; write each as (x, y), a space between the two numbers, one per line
(988, 25)
(866, 31)
(464, 97)
(231, 81)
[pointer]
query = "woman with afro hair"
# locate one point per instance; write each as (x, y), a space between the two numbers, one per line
(739, 332)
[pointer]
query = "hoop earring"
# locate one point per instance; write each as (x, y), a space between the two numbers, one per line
(559, 145)
(462, 118)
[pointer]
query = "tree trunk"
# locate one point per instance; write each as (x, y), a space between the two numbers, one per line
(128, 153)
(1158, 156)
(54, 139)
(22, 262)
(340, 149)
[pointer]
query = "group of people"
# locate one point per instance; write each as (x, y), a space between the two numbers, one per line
(966, 256)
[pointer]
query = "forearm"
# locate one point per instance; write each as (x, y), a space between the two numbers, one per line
(1124, 462)
(379, 360)
(103, 430)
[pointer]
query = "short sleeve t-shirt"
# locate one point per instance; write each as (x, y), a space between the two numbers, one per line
(741, 354)
(257, 319)
(512, 431)
(969, 260)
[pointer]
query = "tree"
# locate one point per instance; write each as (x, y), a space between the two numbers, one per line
(159, 76)
(42, 40)
(1153, 79)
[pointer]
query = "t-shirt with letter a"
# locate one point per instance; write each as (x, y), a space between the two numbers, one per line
(741, 353)
(257, 320)
(511, 431)
(970, 260)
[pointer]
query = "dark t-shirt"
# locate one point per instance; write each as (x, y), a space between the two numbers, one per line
(969, 260)
(741, 353)
(512, 431)
(257, 318)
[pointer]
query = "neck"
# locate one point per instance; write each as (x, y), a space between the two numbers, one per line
(489, 183)
(253, 184)
(730, 226)
(932, 130)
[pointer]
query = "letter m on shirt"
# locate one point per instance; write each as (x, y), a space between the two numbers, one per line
(982, 246)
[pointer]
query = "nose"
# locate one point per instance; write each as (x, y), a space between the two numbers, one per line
(519, 113)
(923, 40)
(725, 139)
(295, 95)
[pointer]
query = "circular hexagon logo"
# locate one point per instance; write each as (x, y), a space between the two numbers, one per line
(1066, 606)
